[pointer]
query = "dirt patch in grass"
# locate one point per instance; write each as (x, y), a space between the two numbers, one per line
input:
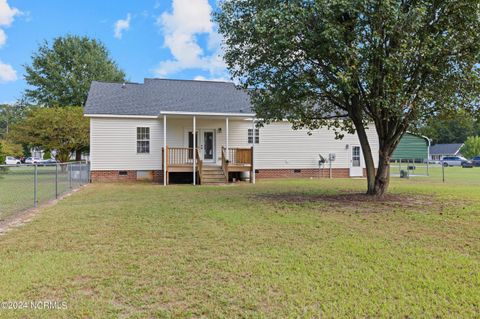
(359, 202)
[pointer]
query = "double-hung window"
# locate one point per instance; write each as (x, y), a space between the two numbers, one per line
(143, 140)
(250, 136)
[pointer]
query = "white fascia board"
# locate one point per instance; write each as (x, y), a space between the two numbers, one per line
(122, 116)
(208, 114)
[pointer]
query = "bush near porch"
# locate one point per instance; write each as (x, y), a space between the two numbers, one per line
(283, 248)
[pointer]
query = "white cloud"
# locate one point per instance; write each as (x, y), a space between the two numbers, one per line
(7, 15)
(122, 25)
(189, 19)
(219, 79)
(3, 38)
(7, 73)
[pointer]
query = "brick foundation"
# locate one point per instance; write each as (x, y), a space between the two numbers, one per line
(131, 176)
(157, 175)
(302, 173)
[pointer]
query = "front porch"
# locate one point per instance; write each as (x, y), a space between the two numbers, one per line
(200, 144)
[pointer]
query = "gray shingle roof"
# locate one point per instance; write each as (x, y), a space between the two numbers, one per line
(445, 149)
(157, 95)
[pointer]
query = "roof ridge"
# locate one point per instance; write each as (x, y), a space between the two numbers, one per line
(187, 80)
(120, 83)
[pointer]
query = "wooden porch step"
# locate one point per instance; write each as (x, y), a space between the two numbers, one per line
(211, 168)
(212, 175)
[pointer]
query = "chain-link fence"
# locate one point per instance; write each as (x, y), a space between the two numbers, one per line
(26, 186)
(410, 167)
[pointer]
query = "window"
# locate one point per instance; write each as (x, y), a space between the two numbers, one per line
(250, 136)
(143, 140)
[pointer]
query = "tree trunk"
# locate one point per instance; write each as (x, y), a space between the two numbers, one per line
(382, 177)
(78, 155)
(368, 157)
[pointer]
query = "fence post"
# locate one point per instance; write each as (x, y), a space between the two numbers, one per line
(443, 173)
(69, 167)
(56, 181)
(35, 185)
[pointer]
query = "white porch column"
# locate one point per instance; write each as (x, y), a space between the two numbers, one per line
(164, 150)
(226, 138)
(194, 148)
(253, 150)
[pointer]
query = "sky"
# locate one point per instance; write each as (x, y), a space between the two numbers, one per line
(147, 38)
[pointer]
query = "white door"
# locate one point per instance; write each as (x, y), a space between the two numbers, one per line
(356, 167)
(207, 146)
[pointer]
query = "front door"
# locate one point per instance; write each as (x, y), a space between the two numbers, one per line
(208, 145)
(356, 167)
(190, 143)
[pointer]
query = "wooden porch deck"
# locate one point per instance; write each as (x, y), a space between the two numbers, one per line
(180, 159)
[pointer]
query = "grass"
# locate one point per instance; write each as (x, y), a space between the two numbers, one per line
(17, 187)
(278, 249)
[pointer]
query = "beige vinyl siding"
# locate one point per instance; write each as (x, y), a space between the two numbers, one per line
(113, 143)
(282, 147)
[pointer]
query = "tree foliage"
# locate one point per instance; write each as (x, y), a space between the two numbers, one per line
(9, 115)
(471, 147)
(64, 129)
(11, 149)
(61, 74)
(387, 64)
(452, 128)
(2, 154)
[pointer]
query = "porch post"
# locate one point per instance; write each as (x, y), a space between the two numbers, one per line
(226, 138)
(165, 150)
(253, 152)
(194, 149)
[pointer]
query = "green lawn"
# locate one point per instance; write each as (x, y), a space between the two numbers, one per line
(277, 249)
(17, 187)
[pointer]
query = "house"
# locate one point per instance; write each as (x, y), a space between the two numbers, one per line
(439, 151)
(146, 131)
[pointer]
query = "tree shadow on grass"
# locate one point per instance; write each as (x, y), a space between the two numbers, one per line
(359, 202)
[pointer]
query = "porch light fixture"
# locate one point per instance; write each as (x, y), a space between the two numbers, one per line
(219, 130)
(346, 146)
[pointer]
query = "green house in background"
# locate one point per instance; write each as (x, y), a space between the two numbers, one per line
(412, 148)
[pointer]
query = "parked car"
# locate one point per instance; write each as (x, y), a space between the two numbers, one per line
(33, 160)
(10, 160)
(467, 164)
(476, 161)
(49, 161)
(453, 161)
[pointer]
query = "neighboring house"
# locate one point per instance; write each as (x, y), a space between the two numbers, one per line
(412, 148)
(139, 131)
(439, 151)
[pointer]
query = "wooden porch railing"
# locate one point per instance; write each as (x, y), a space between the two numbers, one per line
(240, 156)
(199, 164)
(237, 157)
(180, 156)
(224, 164)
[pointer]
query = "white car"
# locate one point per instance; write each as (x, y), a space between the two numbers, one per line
(453, 161)
(10, 160)
(33, 160)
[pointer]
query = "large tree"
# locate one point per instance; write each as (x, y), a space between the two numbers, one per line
(63, 129)
(9, 115)
(471, 148)
(61, 73)
(450, 128)
(354, 64)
